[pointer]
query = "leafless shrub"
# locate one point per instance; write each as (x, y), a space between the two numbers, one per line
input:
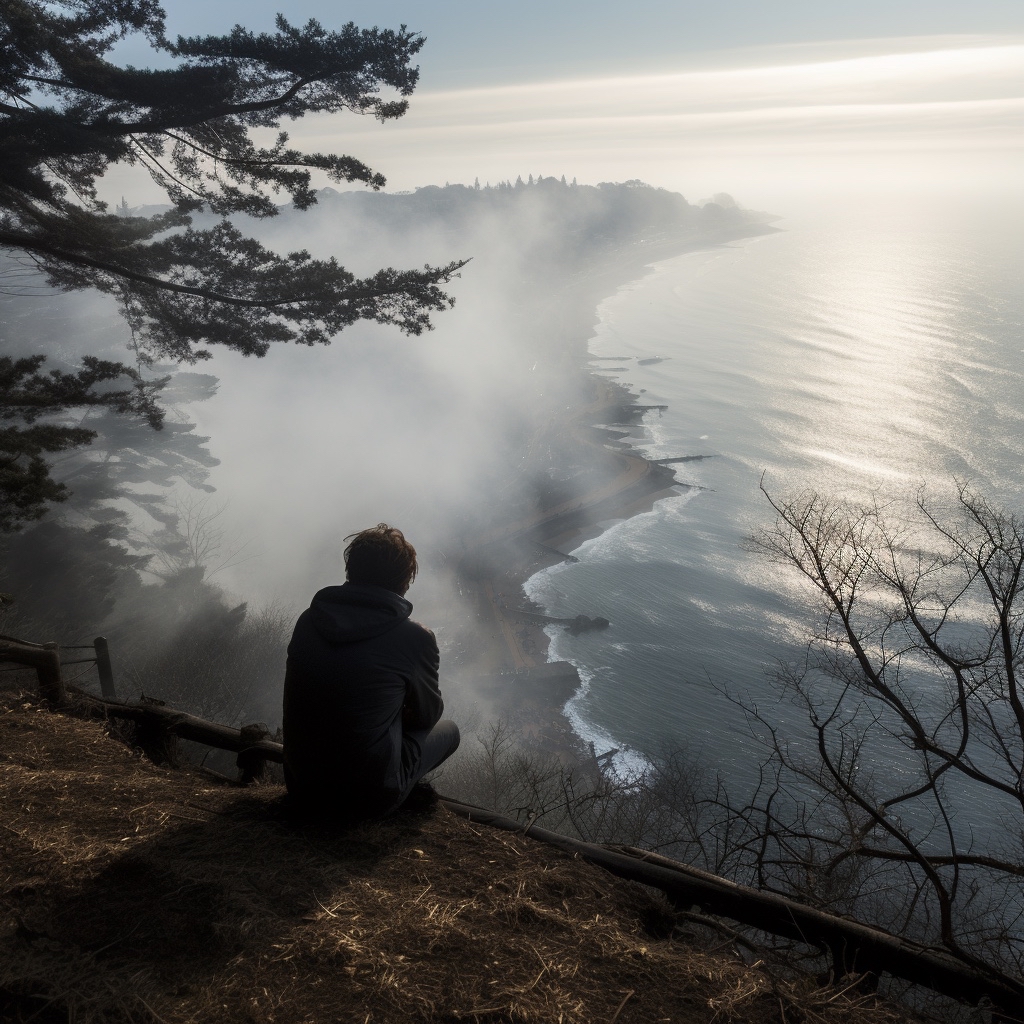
(906, 808)
(667, 809)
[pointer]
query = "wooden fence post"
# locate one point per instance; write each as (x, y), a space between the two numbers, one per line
(252, 763)
(51, 683)
(104, 668)
(155, 737)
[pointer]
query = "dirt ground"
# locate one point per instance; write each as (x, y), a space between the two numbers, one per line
(132, 892)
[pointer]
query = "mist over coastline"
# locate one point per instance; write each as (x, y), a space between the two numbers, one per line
(450, 435)
(452, 431)
(465, 427)
(710, 456)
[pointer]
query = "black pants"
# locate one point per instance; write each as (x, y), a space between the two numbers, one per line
(424, 750)
(435, 746)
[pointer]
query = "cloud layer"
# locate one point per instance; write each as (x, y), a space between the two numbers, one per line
(699, 130)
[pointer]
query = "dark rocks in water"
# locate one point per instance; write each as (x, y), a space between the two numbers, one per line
(652, 360)
(571, 559)
(679, 458)
(584, 624)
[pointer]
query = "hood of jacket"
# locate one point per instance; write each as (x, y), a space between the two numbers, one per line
(355, 612)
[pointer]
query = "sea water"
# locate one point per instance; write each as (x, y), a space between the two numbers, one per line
(867, 349)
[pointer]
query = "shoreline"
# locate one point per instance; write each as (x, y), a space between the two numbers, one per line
(527, 691)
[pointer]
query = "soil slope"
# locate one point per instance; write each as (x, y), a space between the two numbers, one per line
(132, 892)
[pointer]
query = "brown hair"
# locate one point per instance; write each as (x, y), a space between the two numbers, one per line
(380, 557)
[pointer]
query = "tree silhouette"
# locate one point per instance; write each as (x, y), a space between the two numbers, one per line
(67, 114)
(127, 463)
(28, 395)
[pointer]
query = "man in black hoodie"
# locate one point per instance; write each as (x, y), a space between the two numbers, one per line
(362, 705)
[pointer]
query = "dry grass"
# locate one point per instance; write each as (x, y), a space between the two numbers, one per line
(130, 892)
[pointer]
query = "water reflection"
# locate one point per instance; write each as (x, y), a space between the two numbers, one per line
(877, 351)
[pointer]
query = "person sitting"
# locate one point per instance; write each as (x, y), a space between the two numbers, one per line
(362, 704)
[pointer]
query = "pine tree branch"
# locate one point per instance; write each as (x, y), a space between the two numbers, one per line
(28, 242)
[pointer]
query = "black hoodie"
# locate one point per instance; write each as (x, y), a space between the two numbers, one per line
(361, 674)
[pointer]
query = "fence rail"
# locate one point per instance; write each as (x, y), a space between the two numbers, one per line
(44, 658)
(158, 727)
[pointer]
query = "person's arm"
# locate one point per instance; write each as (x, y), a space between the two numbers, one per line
(423, 704)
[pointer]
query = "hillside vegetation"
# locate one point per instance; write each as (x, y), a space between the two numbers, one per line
(133, 892)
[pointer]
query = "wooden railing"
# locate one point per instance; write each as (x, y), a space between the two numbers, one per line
(157, 727)
(48, 664)
(850, 946)
(44, 658)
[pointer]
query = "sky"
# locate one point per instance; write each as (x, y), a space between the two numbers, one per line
(472, 44)
(768, 101)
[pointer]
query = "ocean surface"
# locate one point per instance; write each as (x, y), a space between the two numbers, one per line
(863, 349)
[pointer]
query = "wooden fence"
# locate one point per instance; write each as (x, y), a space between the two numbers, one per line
(852, 947)
(48, 664)
(157, 727)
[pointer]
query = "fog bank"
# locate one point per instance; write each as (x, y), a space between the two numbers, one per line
(442, 434)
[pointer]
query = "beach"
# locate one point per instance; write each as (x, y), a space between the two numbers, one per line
(505, 646)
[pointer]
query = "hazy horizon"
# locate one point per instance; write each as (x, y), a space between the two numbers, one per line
(771, 106)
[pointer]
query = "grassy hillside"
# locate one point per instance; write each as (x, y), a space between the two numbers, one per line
(132, 892)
